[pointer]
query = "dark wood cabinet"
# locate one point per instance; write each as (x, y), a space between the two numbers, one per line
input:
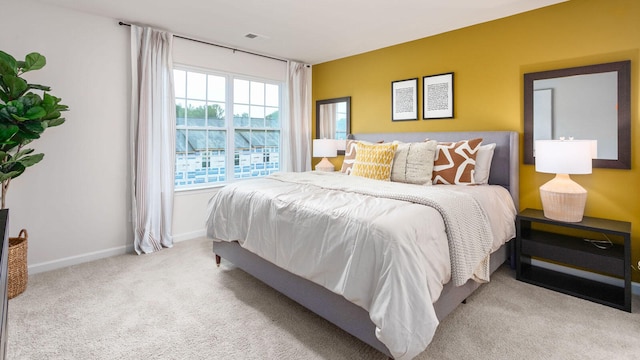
(541, 238)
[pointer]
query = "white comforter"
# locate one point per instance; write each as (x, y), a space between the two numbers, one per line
(389, 256)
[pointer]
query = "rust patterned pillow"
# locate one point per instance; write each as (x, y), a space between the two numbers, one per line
(349, 156)
(455, 162)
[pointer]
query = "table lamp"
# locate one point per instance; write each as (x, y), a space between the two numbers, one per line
(562, 198)
(324, 148)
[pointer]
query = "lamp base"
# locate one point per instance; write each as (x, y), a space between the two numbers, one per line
(325, 165)
(563, 199)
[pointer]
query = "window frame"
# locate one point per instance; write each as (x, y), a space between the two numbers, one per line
(229, 127)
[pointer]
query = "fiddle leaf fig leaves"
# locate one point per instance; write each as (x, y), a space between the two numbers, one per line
(30, 160)
(17, 86)
(8, 64)
(26, 111)
(56, 122)
(7, 132)
(35, 112)
(33, 126)
(34, 61)
(39, 87)
(4, 176)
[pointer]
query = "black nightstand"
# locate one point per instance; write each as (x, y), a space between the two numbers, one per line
(575, 252)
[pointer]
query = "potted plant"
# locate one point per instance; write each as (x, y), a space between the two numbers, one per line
(24, 115)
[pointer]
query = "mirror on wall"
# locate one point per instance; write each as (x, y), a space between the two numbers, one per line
(333, 119)
(588, 102)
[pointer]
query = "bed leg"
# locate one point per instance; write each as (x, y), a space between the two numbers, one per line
(218, 260)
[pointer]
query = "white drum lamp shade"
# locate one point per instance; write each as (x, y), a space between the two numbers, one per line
(562, 198)
(325, 148)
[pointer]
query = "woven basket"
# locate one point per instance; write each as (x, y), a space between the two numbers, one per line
(17, 269)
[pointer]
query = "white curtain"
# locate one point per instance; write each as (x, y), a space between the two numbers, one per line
(153, 137)
(327, 121)
(296, 142)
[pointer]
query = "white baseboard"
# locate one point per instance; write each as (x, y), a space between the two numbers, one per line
(96, 255)
(189, 236)
(635, 287)
(78, 259)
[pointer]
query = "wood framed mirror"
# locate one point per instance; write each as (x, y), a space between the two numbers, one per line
(588, 102)
(333, 119)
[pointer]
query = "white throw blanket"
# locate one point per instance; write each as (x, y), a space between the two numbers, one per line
(467, 225)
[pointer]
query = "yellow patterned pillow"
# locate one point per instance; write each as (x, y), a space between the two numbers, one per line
(374, 161)
(350, 154)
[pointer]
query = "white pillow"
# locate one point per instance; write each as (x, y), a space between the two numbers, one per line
(413, 162)
(483, 164)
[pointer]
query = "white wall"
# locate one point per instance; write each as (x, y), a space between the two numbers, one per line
(74, 204)
(189, 213)
(205, 56)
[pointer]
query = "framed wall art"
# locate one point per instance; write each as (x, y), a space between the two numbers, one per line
(438, 96)
(404, 100)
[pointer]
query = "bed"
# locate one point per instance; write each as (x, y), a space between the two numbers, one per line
(328, 292)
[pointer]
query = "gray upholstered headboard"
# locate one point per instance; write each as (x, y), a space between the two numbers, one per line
(504, 167)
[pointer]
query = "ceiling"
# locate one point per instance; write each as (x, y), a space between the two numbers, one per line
(305, 30)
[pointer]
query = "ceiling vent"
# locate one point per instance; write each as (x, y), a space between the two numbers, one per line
(251, 36)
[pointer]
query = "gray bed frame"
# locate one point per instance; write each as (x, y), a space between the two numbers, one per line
(348, 316)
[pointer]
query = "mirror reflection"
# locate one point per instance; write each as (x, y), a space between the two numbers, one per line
(589, 102)
(333, 118)
(581, 107)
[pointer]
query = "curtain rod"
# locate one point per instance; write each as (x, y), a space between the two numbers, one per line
(218, 45)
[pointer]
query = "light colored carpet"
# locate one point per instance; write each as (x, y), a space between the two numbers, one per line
(176, 304)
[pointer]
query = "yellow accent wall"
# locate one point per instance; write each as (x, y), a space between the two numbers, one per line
(488, 61)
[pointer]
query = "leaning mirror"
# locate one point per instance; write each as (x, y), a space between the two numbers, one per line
(333, 119)
(587, 102)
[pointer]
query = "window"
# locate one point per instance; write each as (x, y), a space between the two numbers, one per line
(341, 120)
(227, 127)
